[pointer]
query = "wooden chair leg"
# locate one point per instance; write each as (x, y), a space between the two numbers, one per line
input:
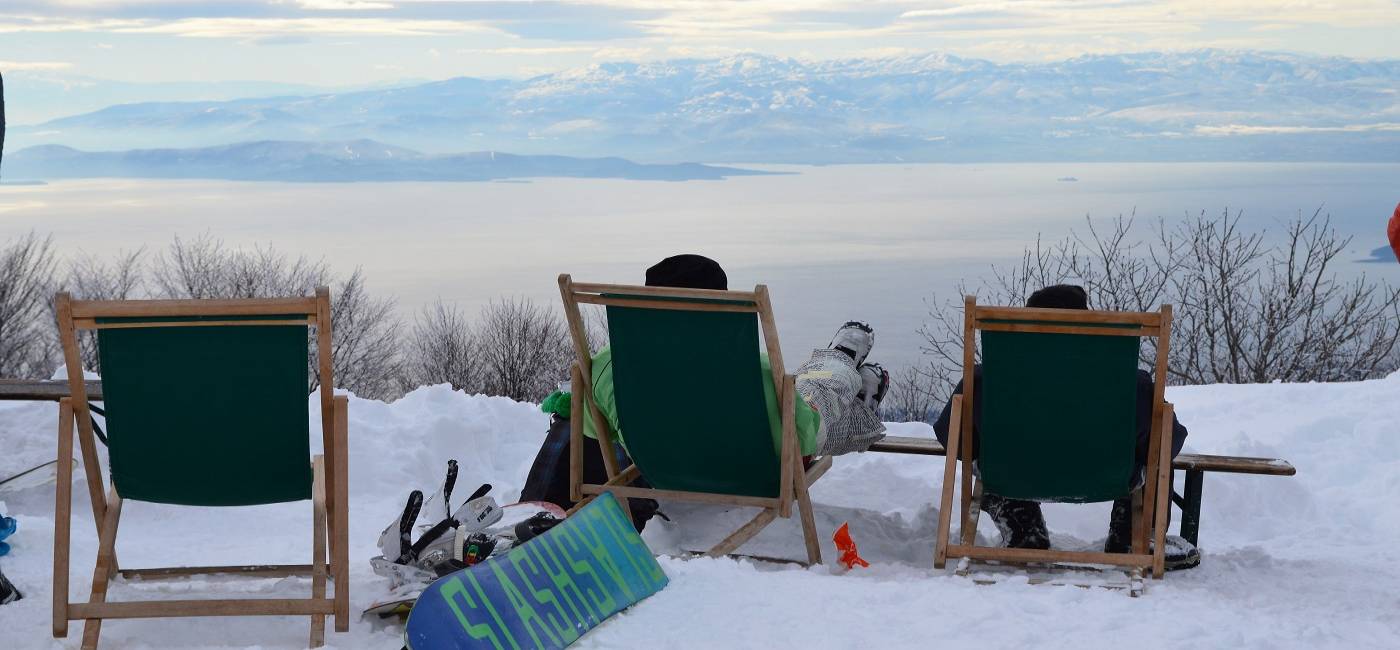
(950, 470)
(1162, 506)
(340, 525)
(745, 533)
(973, 515)
(318, 548)
(102, 572)
(63, 514)
(804, 510)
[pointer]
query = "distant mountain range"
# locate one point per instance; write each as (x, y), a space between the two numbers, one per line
(1202, 105)
(359, 160)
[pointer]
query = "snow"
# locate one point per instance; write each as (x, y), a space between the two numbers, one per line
(1305, 561)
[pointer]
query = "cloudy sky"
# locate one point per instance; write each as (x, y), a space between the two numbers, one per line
(352, 42)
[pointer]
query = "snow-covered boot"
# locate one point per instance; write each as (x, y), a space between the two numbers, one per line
(1181, 554)
(1021, 523)
(875, 382)
(855, 339)
(8, 592)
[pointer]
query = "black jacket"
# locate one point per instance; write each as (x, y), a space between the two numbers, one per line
(1144, 417)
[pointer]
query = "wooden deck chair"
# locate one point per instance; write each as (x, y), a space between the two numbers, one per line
(206, 405)
(1081, 366)
(716, 447)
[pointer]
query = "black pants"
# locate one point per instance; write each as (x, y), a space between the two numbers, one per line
(549, 475)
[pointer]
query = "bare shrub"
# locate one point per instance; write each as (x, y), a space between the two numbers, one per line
(27, 342)
(441, 350)
(1245, 310)
(364, 347)
(364, 341)
(913, 394)
(92, 278)
(523, 349)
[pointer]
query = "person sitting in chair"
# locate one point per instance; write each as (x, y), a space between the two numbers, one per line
(838, 397)
(1021, 522)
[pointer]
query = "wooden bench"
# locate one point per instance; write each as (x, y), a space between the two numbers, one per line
(1195, 466)
(50, 390)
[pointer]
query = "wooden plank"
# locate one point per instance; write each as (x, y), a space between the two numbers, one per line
(89, 324)
(221, 607)
(968, 396)
(911, 445)
(663, 304)
(1234, 464)
(575, 433)
(787, 467)
(237, 307)
(1196, 462)
(318, 547)
(699, 497)
(63, 518)
(102, 571)
(1149, 319)
(745, 533)
(338, 482)
(804, 506)
(1029, 328)
(47, 390)
(1024, 555)
(945, 502)
(68, 339)
(818, 467)
(667, 292)
(254, 570)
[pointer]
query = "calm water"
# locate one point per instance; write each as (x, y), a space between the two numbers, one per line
(833, 243)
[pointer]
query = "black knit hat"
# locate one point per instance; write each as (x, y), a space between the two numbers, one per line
(1060, 296)
(688, 272)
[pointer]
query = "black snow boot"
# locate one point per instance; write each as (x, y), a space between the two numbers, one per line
(1181, 554)
(1021, 523)
(8, 593)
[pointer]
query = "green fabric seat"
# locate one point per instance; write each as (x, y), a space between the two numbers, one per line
(207, 415)
(663, 357)
(1058, 415)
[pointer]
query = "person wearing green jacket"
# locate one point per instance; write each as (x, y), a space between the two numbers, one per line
(838, 393)
(836, 404)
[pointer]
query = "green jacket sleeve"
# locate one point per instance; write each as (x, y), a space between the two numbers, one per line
(603, 396)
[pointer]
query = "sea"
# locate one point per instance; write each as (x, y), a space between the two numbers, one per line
(885, 244)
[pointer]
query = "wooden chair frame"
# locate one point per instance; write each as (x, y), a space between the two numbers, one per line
(1149, 503)
(330, 524)
(794, 482)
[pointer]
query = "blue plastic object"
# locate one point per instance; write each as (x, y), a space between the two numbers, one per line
(7, 528)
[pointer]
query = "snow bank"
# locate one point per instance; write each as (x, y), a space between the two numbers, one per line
(1307, 561)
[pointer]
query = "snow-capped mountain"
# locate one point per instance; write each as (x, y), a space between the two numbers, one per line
(354, 161)
(1203, 105)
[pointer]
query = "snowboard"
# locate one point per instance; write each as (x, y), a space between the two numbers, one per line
(33, 477)
(545, 594)
(398, 601)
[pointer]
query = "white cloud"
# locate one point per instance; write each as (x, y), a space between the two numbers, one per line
(1242, 129)
(29, 66)
(621, 53)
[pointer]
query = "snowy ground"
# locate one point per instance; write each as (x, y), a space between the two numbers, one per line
(1308, 561)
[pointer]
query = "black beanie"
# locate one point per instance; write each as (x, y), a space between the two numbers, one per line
(688, 272)
(1060, 296)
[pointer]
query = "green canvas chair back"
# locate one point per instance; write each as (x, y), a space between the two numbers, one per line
(211, 415)
(690, 401)
(1059, 415)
